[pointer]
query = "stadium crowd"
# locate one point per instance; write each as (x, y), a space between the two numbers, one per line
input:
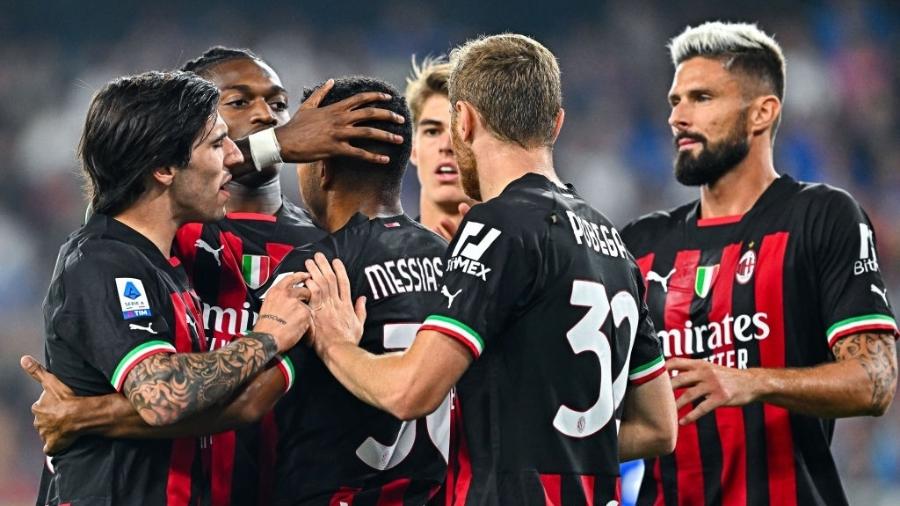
(840, 126)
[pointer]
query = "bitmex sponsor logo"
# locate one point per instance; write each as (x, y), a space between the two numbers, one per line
(705, 340)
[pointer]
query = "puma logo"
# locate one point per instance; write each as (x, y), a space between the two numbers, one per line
(214, 252)
(664, 281)
(882, 293)
(148, 328)
(446, 293)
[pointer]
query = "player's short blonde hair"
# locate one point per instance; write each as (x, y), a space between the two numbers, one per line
(513, 82)
(428, 78)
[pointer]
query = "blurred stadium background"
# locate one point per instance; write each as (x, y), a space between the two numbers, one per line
(841, 126)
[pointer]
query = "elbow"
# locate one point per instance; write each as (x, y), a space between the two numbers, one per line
(160, 419)
(665, 443)
(879, 406)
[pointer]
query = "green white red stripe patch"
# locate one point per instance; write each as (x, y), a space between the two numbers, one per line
(255, 269)
(859, 324)
(648, 371)
(286, 366)
(456, 329)
(133, 357)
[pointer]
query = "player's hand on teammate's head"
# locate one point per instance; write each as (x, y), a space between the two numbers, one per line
(337, 318)
(448, 227)
(284, 314)
(315, 133)
(53, 408)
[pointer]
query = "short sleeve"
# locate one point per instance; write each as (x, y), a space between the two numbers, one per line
(854, 295)
(647, 361)
(489, 270)
(113, 312)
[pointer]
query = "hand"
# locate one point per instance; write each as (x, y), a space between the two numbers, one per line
(715, 384)
(447, 228)
(283, 314)
(54, 409)
(337, 319)
(315, 133)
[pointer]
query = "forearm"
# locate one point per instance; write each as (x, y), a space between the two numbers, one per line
(378, 380)
(834, 390)
(638, 440)
(165, 389)
(648, 426)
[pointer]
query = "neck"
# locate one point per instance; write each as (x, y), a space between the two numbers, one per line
(738, 190)
(264, 199)
(500, 163)
(341, 205)
(431, 213)
(152, 217)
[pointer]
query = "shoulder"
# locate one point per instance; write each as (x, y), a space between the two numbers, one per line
(654, 224)
(824, 197)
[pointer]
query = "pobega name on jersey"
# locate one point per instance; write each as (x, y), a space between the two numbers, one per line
(600, 238)
(694, 339)
(404, 275)
(219, 320)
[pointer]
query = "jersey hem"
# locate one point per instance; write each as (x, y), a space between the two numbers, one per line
(457, 330)
(136, 356)
(454, 335)
(859, 324)
(648, 371)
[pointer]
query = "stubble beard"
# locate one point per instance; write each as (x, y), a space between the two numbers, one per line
(714, 160)
(468, 166)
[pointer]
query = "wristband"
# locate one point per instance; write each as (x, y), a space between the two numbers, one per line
(286, 366)
(264, 149)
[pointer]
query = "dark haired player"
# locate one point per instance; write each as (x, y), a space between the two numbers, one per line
(334, 449)
(120, 315)
(229, 258)
(767, 291)
(540, 320)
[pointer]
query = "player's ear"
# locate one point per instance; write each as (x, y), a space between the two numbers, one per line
(764, 112)
(466, 118)
(414, 153)
(326, 174)
(560, 119)
(164, 175)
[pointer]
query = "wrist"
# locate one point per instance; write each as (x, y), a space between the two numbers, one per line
(760, 384)
(270, 344)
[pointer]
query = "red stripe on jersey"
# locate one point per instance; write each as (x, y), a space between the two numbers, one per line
(552, 489)
(343, 497)
(587, 485)
(232, 289)
(645, 263)
(651, 376)
(392, 493)
(222, 467)
(770, 300)
(730, 419)
(463, 465)
(277, 252)
(178, 486)
(185, 245)
(456, 337)
(865, 328)
(689, 469)
(251, 216)
(268, 432)
(657, 475)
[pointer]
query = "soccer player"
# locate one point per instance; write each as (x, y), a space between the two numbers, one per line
(229, 258)
(334, 448)
(772, 310)
(432, 153)
(542, 308)
(120, 315)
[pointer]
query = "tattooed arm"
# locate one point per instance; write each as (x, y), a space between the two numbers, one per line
(165, 389)
(861, 382)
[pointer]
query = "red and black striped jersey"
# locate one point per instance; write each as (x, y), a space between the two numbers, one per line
(540, 288)
(226, 260)
(115, 300)
(333, 448)
(776, 287)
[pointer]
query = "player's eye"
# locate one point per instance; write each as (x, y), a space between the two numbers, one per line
(237, 103)
(278, 105)
(431, 132)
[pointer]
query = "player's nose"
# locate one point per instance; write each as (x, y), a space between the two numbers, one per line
(233, 156)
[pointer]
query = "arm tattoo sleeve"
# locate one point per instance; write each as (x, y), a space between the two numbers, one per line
(876, 353)
(166, 388)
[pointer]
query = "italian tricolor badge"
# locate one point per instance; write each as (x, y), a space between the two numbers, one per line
(256, 270)
(706, 274)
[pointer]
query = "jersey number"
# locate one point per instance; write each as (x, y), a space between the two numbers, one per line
(587, 336)
(379, 456)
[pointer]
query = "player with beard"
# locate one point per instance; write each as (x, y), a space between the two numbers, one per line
(442, 202)
(542, 323)
(229, 258)
(120, 315)
(773, 312)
